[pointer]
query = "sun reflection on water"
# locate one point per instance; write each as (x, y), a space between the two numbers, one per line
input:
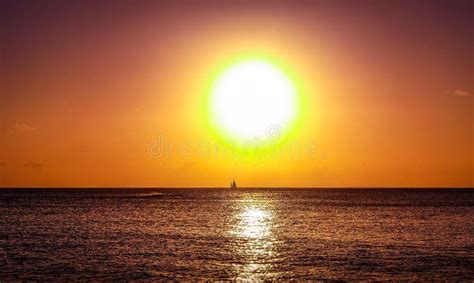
(254, 223)
(254, 239)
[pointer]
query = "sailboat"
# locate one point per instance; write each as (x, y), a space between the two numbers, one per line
(233, 184)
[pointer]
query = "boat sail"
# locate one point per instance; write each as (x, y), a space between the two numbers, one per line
(233, 185)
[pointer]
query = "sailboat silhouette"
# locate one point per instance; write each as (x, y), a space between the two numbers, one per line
(233, 184)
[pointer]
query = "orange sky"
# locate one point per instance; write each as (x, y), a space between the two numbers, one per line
(89, 88)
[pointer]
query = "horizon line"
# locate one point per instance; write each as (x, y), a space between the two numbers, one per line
(238, 188)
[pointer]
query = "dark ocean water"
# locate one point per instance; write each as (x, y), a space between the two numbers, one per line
(237, 234)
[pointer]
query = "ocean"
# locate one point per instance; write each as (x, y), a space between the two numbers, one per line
(223, 234)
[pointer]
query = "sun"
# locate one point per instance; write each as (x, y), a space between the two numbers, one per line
(253, 100)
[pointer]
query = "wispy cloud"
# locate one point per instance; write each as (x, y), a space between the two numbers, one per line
(23, 127)
(458, 92)
(34, 165)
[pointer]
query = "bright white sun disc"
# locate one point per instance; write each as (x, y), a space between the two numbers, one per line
(253, 100)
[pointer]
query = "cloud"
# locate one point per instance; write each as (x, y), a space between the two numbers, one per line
(458, 92)
(22, 127)
(34, 165)
(3, 163)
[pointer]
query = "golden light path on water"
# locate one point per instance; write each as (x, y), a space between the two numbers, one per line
(253, 228)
